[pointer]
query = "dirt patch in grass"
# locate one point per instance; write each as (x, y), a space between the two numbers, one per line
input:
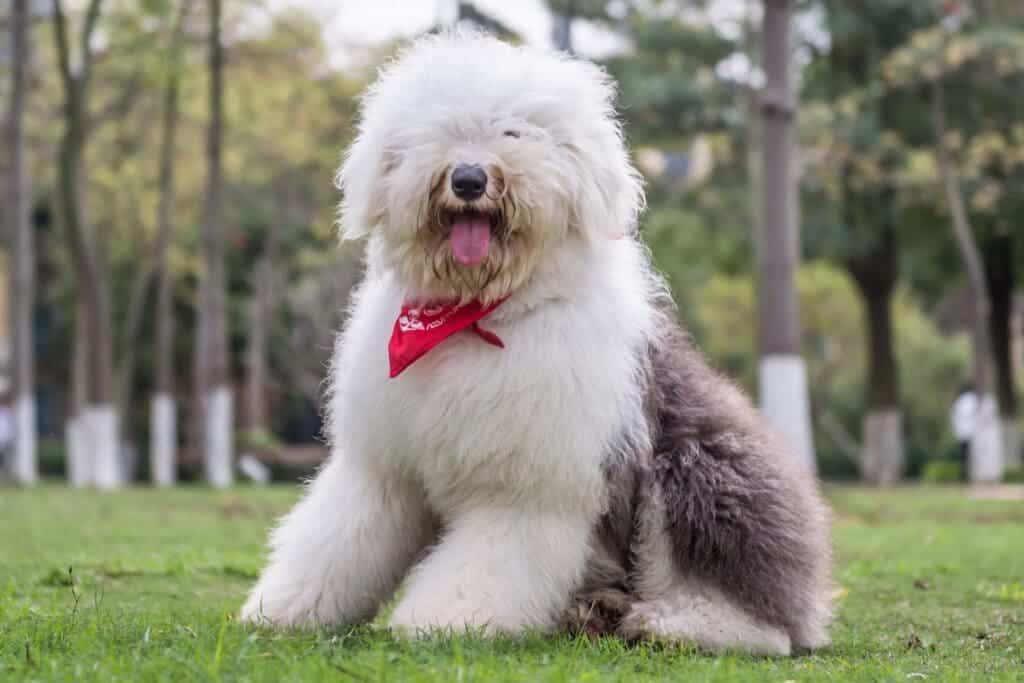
(997, 492)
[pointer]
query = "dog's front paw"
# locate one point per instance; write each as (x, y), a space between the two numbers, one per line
(412, 620)
(272, 613)
(416, 620)
(250, 612)
(280, 609)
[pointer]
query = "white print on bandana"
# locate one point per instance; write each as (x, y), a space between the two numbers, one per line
(412, 320)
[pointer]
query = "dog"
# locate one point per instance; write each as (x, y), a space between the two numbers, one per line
(522, 435)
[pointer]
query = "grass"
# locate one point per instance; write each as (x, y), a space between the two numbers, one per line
(142, 585)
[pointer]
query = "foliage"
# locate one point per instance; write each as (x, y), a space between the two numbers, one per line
(867, 150)
(142, 586)
(932, 366)
(288, 117)
(668, 86)
(983, 62)
(696, 237)
(943, 472)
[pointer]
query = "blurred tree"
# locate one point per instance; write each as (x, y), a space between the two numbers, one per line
(265, 290)
(1000, 267)
(163, 430)
(986, 456)
(467, 11)
(783, 373)
(865, 153)
(94, 426)
(978, 56)
(212, 378)
(23, 465)
(565, 12)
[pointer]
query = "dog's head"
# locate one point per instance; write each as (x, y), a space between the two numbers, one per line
(475, 158)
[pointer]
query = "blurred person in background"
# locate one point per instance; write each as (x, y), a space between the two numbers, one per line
(963, 418)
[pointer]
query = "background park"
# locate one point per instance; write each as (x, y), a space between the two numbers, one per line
(832, 185)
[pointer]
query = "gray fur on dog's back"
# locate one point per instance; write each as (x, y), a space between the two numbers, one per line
(743, 514)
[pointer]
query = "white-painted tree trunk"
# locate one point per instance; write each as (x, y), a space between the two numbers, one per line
(24, 465)
(785, 402)
(1011, 443)
(78, 449)
(106, 446)
(882, 456)
(985, 464)
(218, 427)
(128, 457)
(163, 440)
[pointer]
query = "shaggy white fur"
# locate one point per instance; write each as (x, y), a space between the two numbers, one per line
(479, 474)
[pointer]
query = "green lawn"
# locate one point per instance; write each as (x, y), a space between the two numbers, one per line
(933, 589)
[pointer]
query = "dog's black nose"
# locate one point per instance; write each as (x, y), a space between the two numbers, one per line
(468, 182)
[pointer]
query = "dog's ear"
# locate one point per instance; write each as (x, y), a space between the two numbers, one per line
(360, 181)
(609, 195)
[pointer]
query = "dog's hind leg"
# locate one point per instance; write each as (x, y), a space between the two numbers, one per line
(501, 569)
(675, 607)
(342, 550)
(702, 616)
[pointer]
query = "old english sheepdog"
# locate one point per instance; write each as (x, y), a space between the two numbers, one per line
(523, 437)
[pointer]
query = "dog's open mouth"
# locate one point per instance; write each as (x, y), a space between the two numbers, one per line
(470, 232)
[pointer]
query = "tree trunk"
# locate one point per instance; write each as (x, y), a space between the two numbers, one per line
(163, 412)
(561, 32)
(264, 301)
(99, 418)
(212, 371)
(874, 272)
(256, 362)
(783, 374)
(77, 445)
(985, 463)
(752, 103)
(126, 369)
(999, 258)
(24, 467)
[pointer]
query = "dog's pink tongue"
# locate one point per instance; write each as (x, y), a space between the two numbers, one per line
(471, 238)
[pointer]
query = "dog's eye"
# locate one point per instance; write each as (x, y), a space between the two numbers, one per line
(511, 133)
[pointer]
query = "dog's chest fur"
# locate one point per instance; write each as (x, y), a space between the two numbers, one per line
(537, 420)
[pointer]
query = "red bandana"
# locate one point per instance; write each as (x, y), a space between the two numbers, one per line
(421, 327)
